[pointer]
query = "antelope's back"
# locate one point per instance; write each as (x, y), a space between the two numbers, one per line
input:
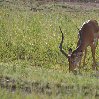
(88, 30)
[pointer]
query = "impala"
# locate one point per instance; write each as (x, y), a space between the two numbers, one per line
(88, 36)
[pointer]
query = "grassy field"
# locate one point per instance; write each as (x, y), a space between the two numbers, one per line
(31, 65)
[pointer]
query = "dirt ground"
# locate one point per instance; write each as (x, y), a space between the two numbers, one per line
(85, 5)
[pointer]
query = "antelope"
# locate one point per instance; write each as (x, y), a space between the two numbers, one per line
(88, 35)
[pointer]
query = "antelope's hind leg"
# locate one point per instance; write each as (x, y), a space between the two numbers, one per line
(93, 47)
(85, 53)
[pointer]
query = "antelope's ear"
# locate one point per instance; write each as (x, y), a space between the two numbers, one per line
(69, 51)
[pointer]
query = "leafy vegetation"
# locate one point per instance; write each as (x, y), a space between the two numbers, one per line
(29, 40)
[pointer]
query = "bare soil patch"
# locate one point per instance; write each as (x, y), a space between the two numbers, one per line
(86, 6)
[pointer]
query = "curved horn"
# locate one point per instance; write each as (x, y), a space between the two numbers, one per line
(60, 46)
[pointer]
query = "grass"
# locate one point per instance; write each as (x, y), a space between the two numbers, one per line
(49, 83)
(29, 53)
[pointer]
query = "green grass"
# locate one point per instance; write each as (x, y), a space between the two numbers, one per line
(29, 50)
(60, 84)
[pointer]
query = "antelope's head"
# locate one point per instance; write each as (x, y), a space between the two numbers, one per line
(73, 57)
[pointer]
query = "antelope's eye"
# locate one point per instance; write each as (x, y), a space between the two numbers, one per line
(73, 61)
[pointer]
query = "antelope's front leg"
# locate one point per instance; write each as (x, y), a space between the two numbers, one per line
(85, 53)
(93, 47)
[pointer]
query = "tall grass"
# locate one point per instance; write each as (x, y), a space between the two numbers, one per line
(35, 36)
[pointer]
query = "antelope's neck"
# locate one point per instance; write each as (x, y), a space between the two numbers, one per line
(81, 47)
